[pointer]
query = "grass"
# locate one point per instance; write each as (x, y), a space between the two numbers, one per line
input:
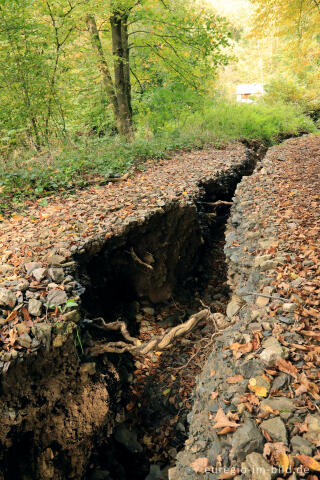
(82, 160)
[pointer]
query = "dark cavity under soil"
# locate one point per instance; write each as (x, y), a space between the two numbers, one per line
(157, 388)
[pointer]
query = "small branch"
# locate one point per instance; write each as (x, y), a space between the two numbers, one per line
(217, 203)
(138, 260)
(257, 294)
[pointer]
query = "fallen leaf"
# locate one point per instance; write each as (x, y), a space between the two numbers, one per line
(287, 367)
(226, 430)
(214, 395)
(284, 462)
(234, 379)
(231, 474)
(240, 349)
(260, 391)
(309, 462)
(223, 421)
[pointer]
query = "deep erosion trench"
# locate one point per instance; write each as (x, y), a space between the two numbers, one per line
(83, 411)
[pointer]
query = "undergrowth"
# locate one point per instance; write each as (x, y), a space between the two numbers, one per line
(82, 160)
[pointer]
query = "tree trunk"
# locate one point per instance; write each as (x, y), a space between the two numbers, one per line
(104, 69)
(119, 32)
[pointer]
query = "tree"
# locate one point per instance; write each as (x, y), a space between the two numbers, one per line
(177, 37)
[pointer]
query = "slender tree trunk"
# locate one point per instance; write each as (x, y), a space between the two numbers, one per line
(119, 32)
(104, 69)
(126, 55)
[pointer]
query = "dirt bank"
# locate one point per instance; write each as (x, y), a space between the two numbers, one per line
(67, 263)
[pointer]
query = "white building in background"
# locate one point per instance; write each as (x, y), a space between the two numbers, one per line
(247, 90)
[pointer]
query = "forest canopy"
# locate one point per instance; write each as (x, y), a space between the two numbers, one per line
(70, 65)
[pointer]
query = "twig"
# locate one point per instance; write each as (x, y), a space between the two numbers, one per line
(257, 294)
(138, 260)
(217, 203)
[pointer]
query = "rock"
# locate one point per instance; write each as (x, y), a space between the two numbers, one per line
(246, 439)
(149, 311)
(22, 284)
(30, 266)
(258, 467)
(301, 445)
(234, 306)
(128, 439)
(56, 274)
(56, 297)
(7, 298)
(251, 368)
(25, 340)
(261, 259)
(313, 424)
(276, 429)
(39, 273)
(5, 268)
(54, 259)
(289, 307)
(284, 405)
(73, 316)
(42, 331)
(280, 381)
(172, 474)
(262, 381)
(34, 307)
(272, 352)
(154, 473)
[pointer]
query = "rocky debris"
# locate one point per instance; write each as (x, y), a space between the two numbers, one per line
(274, 269)
(247, 439)
(56, 274)
(257, 467)
(276, 429)
(34, 307)
(56, 297)
(7, 298)
(272, 351)
(41, 267)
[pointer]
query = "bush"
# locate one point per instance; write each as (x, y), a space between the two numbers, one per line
(83, 160)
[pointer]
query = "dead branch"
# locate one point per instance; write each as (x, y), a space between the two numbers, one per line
(136, 347)
(138, 260)
(217, 203)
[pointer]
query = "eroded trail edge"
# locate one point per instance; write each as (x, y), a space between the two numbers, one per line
(98, 254)
(256, 405)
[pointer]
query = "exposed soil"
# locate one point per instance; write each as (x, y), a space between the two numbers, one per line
(58, 405)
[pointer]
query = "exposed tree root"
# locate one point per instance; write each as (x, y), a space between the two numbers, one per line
(136, 347)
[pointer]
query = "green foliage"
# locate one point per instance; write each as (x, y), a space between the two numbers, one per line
(290, 91)
(84, 160)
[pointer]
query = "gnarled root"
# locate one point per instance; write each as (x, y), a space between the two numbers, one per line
(136, 347)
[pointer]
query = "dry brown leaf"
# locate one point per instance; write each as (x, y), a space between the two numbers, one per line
(226, 430)
(287, 367)
(235, 379)
(309, 462)
(240, 349)
(223, 421)
(231, 474)
(200, 465)
(214, 395)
